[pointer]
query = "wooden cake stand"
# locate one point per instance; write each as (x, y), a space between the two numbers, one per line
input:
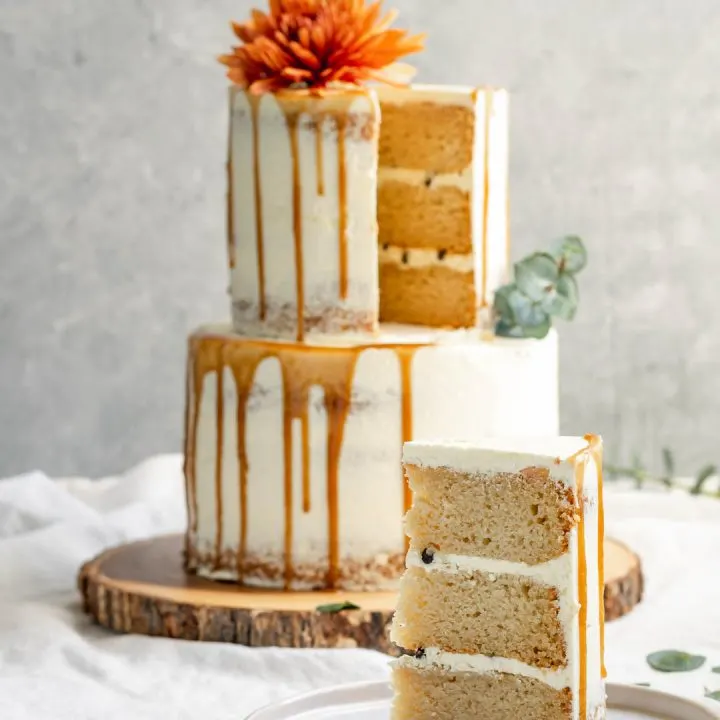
(142, 588)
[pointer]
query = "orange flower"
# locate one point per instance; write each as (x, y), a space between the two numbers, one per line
(316, 43)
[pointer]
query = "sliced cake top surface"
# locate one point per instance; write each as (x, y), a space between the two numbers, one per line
(461, 95)
(511, 455)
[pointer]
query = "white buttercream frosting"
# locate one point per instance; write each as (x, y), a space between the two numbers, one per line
(417, 178)
(413, 258)
(457, 95)
(319, 218)
(483, 664)
(500, 454)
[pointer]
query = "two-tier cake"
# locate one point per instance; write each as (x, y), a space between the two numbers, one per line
(367, 235)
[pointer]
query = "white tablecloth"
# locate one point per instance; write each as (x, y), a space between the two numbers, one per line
(55, 665)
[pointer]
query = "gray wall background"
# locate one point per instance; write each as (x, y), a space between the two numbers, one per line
(112, 144)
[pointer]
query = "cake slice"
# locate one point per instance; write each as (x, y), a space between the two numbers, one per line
(501, 605)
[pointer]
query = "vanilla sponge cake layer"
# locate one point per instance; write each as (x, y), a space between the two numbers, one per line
(432, 694)
(432, 137)
(424, 216)
(520, 516)
(435, 295)
(478, 612)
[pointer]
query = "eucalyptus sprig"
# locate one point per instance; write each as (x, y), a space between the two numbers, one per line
(544, 287)
(642, 476)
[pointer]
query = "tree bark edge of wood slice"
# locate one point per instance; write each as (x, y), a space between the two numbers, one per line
(142, 588)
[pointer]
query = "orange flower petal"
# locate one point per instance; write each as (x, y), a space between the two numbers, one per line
(318, 43)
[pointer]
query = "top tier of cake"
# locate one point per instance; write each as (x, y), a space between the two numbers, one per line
(353, 207)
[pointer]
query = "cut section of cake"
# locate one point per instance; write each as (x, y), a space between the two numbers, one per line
(442, 203)
(501, 605)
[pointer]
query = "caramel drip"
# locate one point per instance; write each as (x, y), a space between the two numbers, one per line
(405, 356)
(189, 442)
(486, 198)
(338, 398)
(342, 206)
(254, 101)
(202, 364)
(288, 476)
(219, 447)
(319, 160)
(243, 365)
(230, 220)
(292, 120)
(597, 453)
(580, 461)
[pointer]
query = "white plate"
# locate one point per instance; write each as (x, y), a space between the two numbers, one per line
(371, 701)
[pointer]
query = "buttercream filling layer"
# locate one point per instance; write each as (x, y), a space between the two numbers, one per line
(558, 679)
(422, 258)
(556, 572)
(417, 178)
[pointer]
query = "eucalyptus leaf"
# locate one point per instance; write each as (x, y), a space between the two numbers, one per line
(702, 477)
(536, 275)
(716, 669)
(562, 299)
(503, 304)
(715, 695)
(333, 608)
(538, 331)
(525, 312)
(570, 254)
(674, 661)
(505, 329)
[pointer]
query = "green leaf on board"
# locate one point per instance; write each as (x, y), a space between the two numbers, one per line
(702, 477)
(536, 275)
(716, 669)
(715, 695)
(570, 254)
(674, 661)
(333, 608)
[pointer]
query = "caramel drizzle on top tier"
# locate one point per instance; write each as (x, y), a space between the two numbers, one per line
(342, 207)
(254, 101)
(294, 104)
(230, 216)
(319, 156)
(302, 367)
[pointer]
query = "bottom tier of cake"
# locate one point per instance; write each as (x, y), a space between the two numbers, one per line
(293, 451)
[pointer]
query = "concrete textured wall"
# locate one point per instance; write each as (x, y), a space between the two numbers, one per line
(112, 143)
